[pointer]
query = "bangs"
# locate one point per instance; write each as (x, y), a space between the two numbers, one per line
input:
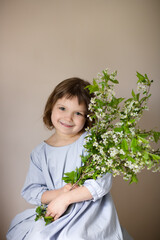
(79, 97)
(75, 89)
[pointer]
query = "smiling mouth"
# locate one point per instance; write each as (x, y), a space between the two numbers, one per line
(66, 125)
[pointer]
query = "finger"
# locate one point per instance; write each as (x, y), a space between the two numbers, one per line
(52, 215)
(74, 186)
(48, 214)
(56, 217)
(69, 184)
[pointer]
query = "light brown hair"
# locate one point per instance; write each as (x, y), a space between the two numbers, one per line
(71, 87)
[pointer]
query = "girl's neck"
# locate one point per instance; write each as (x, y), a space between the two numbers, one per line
(60, 140)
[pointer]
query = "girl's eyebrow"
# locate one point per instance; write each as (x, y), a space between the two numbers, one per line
(61, 104)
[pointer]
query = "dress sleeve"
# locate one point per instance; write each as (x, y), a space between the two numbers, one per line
(35, 184)
(99, 187)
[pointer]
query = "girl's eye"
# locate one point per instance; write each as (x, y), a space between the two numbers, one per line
(79, 114)
(62, 108)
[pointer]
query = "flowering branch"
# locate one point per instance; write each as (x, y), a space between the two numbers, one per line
(115, 143)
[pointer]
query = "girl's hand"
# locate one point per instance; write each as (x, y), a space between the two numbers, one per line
(69, 187)
(57, 206)
(60, 204)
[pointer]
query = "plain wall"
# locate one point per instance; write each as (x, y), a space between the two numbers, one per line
(44, 42)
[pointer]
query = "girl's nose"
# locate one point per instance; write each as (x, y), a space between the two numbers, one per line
(68, 116)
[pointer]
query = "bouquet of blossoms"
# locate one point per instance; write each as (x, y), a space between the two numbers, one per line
(115, 143)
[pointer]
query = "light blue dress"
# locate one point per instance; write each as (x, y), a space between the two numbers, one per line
(88, 220)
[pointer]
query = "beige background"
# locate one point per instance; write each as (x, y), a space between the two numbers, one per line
(44, 42)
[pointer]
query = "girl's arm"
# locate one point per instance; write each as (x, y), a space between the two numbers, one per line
(99, 187)
(59, 205)
(79, 194)
(50, 195)
(35, 183)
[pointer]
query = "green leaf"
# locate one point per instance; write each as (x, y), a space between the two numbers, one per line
(140, 77)
(146, 77)
(120, 100)
(134, 179)
(124, 145)
(72, 177)
(156, 136)
(145, 156)
(128, 100)
(132, 121)
(48, 220)
(114, 81)
(155, 157)
(144, 135)
(37, 218)
(118, 129)
(105, 75)
(126, 129)
(134, 145)
(69, 177)
(133, 94)
(137, 96)
(131, 159)
(39, 210)
(122, 156)
(143, 140)
(93, 87)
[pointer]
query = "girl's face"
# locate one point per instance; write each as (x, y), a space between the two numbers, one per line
(68, 116)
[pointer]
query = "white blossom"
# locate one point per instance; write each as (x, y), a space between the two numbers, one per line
(132, 130)
(141, 87)
(103, 169)
(113, 151)
(122, 152)
(95, 144)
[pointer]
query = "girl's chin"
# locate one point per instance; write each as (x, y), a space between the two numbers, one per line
(70, 132)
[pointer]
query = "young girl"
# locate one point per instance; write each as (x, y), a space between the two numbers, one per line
(85, 212)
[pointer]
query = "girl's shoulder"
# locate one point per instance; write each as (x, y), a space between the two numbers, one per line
(39, 148)
(81, 139)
